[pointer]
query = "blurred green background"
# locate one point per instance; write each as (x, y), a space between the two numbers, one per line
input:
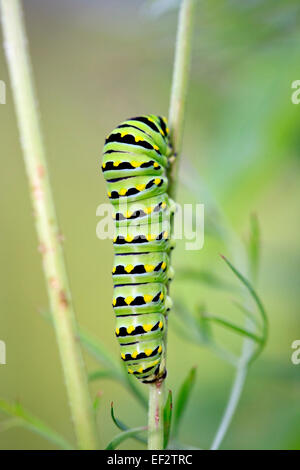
(95, 64)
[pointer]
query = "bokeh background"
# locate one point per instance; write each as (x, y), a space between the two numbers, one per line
(95, 64)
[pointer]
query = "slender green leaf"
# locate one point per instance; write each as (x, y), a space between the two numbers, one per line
(167, 419)
(123, 427)
(131, 433)
(238, 329)
(30, 422)
(254, 246)
(117, 422)
(258, 304)
(182, 398)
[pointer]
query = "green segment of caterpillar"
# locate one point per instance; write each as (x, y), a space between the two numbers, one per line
(136, 156)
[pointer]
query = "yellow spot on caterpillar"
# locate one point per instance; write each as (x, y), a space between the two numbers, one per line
(148, 352)
(114, 302)
(163, 266)
(155, 165)
(160, 325)
(140, 187)
(114, 216)
(150, 119)
(149, 268)
(159, 349)
(114, 270)
(148, 298)
(128, 214)
(157, 180)
(140, 370)
(148, 210)
(115, 239)
(167, 130)
(164, 119)
(128, 300)
(165, 235)
(117, 331)
(130, 329)
(123, 356)
(129, 238)
(147, 327)
(137, 139)
(161, 132)
(123, 134)
(164, 204)
(104, 165)
(117, 163)
(130, 371)
(135, 164)
(134, 354)
(128, 268)
(123, 191)
(109, 193)
(161, 296)
(155, 147)
(151, 237)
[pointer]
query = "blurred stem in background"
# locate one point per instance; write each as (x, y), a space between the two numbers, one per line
(176, 123)
(49, 237)
(249, 263)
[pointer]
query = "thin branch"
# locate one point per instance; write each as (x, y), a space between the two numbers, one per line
(176, 120)
(180, 85)
(235, 393)
(244, 360)
(49, 236)
(155, 416)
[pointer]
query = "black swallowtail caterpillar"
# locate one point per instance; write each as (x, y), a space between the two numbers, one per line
(136, 156)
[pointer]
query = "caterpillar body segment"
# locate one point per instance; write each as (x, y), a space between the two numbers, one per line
(141, 268)
(139, 212)
(136, 157)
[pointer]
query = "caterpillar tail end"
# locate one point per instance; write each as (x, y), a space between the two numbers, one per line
(159, 378)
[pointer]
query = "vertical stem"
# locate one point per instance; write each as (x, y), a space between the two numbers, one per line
(49, 237)
(241, 370)
(155, 422)
(176, 120)
(235, 394)
(180, 84)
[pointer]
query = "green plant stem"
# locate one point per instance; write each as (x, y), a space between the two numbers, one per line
(235, 394)
(242, 366)
(49, 237)
(176, 121)
(180, 85)
(155, 419)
